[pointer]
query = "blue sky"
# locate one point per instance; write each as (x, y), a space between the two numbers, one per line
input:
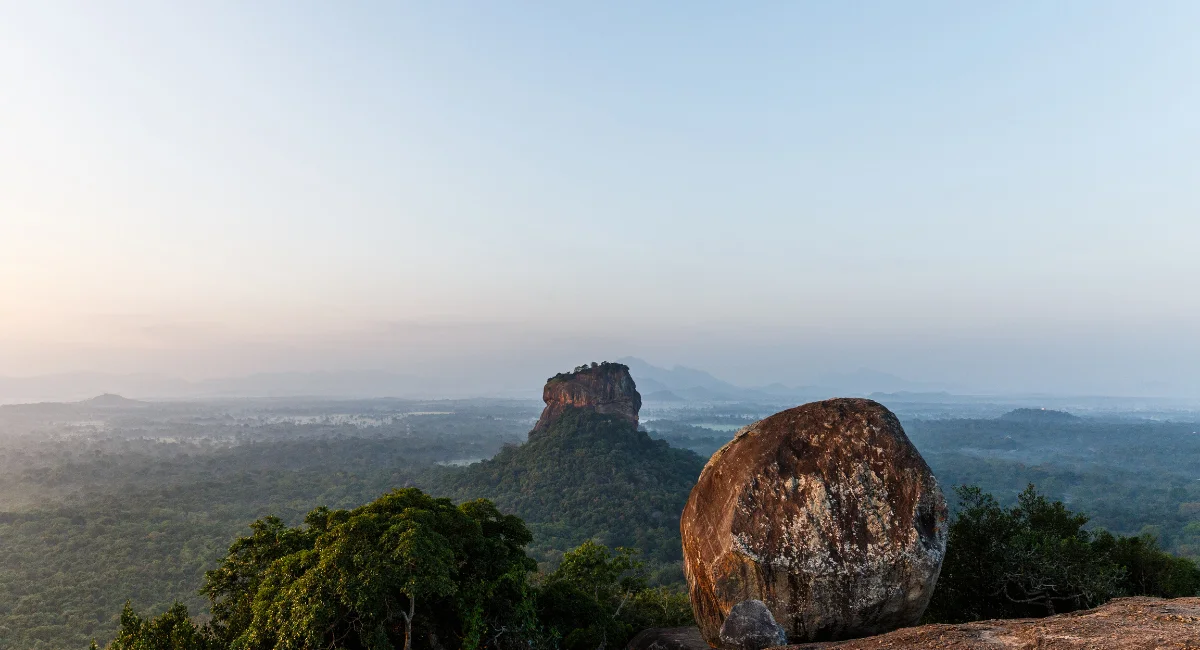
(998, 196)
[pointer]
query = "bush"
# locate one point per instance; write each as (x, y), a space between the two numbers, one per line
(1037, 559)
(171, 630)
(598, 598)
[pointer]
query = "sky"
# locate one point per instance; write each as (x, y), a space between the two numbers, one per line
(988, 196)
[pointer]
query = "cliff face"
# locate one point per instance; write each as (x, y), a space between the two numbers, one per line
(827, 514)
(605, 388)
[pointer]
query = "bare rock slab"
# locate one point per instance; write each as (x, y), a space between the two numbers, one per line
(1123, 624)
(827, 514)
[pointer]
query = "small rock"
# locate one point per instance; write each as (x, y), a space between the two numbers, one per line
(668, 638)
(750, 626)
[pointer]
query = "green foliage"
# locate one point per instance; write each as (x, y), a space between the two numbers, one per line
(232, 585)
(410, 570)
(602, 366)
(1149, 571)
(87, 525)
(1036, 559)
(1131, 477)
(659, 607)
(171, 630)
(123, 514)
(588, 477)
(91, 525)
(598, 598)
(374, 577)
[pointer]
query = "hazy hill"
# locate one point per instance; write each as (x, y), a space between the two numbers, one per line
(110, 400)
(1048, 416)
(679, 380)
(698, 385)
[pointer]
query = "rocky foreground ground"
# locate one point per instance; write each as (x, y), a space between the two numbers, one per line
(1125, 624)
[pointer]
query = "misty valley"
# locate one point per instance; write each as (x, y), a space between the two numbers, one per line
(111, 500)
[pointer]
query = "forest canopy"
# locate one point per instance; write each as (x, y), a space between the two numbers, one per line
(409, 570)
(100, 507)
(412, 571)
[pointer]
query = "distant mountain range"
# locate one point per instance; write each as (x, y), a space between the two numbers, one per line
(683, 383)
(680, 383)
(655, 383)
(341, 384)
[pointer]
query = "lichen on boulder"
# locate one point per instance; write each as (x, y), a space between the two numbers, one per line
(827, 514)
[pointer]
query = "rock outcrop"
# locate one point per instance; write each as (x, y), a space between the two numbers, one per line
(827, 514)
(603, 388)
(1124, 624)
(586, 472)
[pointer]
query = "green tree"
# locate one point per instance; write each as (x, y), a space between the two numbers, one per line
(363, 578)
(584, 598)
(171, 630)
(231, 587)
(422, 563)
(973, 570)
(1034, 559)
(1050, 562)
(659, 607)
(1150, 571)
(375, 577)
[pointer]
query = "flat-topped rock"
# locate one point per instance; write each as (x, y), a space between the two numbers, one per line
(605, 388)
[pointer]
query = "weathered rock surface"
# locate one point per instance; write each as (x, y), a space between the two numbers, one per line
(668, 638)
(1124, 624)
(604, 388)
(827, 514)
(750, 626)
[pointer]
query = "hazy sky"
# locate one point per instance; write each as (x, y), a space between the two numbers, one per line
(995, 195)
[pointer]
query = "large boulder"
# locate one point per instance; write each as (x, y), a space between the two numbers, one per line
(827, 514)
